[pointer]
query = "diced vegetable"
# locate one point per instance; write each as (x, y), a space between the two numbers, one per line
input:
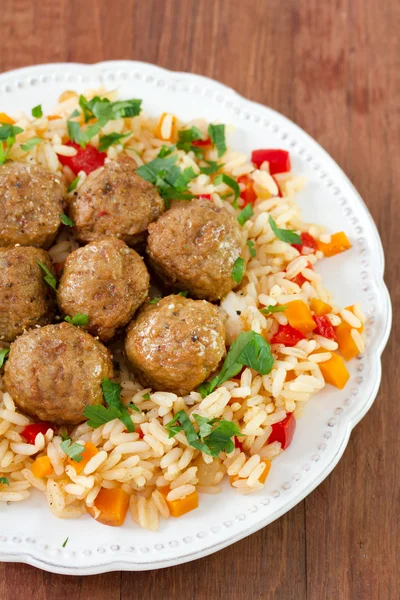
(112, 504)
(308, 244)
(279, 160)
(347, 345)
(166, 128)
(88, 453)
(351, 309)
(325, 327)
(30, 432)
(320, 308)
(339, 243)
(88, 159)
(205, 197)
(283, 431)
(299, 279)
(248, 194)
(299, 316)
(42, 467)
(180, 507)
(334, 370)
(202, 143)
(238, 444)
(5, 119)
(287, 335)
(53, 117)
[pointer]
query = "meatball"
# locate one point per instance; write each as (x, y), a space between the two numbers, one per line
(176, 344)
(105, 280)
(114, 200)
(31, 202)
(54, 372)
(194, 246)
(26, 299)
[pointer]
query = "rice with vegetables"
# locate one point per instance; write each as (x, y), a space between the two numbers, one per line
(154, 453)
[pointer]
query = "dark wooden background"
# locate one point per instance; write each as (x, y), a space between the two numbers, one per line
(332, 66)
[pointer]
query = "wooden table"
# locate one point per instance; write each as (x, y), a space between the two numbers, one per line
(334, 68)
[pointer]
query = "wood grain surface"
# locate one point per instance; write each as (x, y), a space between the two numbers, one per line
(334, 68)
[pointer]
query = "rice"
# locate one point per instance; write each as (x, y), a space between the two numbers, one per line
(152, 468)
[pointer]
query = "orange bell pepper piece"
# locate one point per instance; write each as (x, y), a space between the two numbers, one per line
(299, 316)
(180, 507)
(110, 507)
(320, 308)
(334, 370)
(88, 453)
(339, 243)
(5, 119)
(351, 309)
(347, 345)
(42, 467)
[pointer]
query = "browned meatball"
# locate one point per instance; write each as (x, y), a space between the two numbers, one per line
(176, 344)
(26, 299)
(114, 200)
(54, 372)
(194, 246)
(31, 201)
(105, 280)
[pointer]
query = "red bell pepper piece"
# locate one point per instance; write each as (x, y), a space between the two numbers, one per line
(325, 327)
(205, 197)
(87, 159)
(248, 194)
(308, 244)
(299, 278)
(279, 160)
(238, 444)
(59, 267)
(30, 431)
(287, 335)
(283, 431)
(202, 143)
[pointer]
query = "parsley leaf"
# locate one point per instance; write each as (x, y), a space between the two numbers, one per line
(112, 138)
(166, 150)
(184, 294)
(155, 300)
(212, 168)
(7, 135)
(245, 214)
(66, 220)
(170, 180)
(272, 309)
(238, 270)
(104, 110)
(133, 406)
(75, 133)
(285, 235)
(37, 111)
(3, 356)
(31, 143)
(99, 414)
(146, 396)
(4, 480)
(73, 185)
(186, 137)
(251, 247)
(249, 349)
(77, 320)
(230, 183)
(65, 542)
(49, 277)
(73, 450)
(214, 435)
(217, 135)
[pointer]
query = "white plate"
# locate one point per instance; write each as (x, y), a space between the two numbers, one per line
(28, 531)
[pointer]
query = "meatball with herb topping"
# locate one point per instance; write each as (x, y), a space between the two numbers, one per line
(54, 372)
(194, 246)
(31, 202)
(114, 200)
(26, 300)
(105, 280)
(176, 344)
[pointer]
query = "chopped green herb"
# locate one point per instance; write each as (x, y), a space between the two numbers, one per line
(73, 450)
(74, 114)
(170, 180)
(133, 406)
(7, 136)
(184, 294)
(212, 168)
(73, 185)
(155, 300)
(214, 435)
(186, 137)
(285, 235)
(75, 133)
(31, 143)
(77, 320)
(3, 356)
(251, 247)
(37, 111)
(64, 436)
(112, 138)
(99, 414)
(249, 349)
(65, 542)
(166, 151)
(49, 277)
(4, 480)
(273, 309)
(146, 396)
(104, 110)
(238, 270)
(66, 220)
(217, 135)
(222, 178)
(245, 214)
